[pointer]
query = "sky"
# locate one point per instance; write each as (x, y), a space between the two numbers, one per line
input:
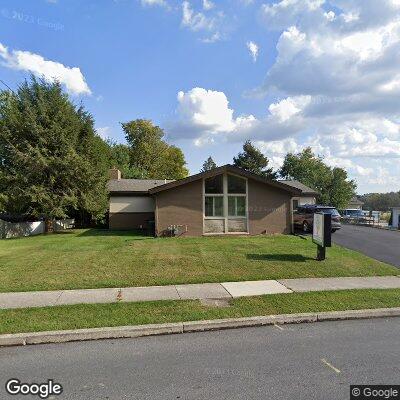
(285, 74)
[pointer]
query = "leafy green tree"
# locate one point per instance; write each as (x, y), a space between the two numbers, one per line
(172, 164)
(208, 165)
(150, 155)
(380, 201)
(52, 164)
(332, 183)
(252, 160)
(119, 157)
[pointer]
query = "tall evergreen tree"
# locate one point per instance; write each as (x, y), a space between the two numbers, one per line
(208, 165)
(251, 159)
(52, 164)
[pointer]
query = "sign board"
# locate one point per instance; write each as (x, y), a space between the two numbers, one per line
(322, 229)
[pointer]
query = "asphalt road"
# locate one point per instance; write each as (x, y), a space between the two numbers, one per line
(381, 244)
(306, 361)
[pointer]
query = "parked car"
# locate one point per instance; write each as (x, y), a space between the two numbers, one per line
(303, 217)
(353, 215)
(356, 216)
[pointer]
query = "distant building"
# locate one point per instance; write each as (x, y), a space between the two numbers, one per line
(355, 204)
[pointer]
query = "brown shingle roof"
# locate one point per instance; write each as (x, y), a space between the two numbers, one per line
(220, 170)
(305, 190)
(134, 185)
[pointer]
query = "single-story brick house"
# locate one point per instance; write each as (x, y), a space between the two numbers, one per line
(225, 200)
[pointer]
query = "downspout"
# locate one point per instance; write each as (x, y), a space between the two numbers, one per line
(156, 217)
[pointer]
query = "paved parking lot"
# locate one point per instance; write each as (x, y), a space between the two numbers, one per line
(381, 244)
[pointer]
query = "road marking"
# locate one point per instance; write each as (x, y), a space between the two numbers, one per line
(330, 365)
(279, 327)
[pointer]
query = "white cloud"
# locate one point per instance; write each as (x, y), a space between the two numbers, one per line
(210, 21)
(287, 108)
(203, 113)
(72, 78)
(206, 109)
(343, 62)
(213, 38)
(330, 16)
(334, 86)
(253, 49)
(208, 4)
(279, 147)
(162, 3)
(205, 116)
(195, 20)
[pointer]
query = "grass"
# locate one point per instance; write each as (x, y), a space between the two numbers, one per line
(102, 258)
(120, 314)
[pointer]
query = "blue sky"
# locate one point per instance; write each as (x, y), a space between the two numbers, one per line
(285, 74)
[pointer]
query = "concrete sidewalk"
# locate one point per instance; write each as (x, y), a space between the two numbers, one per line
(224, 291)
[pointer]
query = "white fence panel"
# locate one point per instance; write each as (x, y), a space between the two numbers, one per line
(19, 229)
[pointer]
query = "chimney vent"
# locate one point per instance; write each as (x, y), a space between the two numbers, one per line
(114, 173)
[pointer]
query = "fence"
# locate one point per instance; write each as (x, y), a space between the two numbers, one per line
(374, 219)
(19, 229)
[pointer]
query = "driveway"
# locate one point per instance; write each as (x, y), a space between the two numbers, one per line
(381, 244)
(302, 362)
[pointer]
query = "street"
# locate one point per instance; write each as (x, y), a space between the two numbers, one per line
(381, 244)
(307, 361)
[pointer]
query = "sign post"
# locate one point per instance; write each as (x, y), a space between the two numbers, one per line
(322, 234)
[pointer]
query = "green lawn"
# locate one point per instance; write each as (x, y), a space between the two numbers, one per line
(120, 314)
(95, 258)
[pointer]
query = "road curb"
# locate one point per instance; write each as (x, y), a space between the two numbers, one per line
(21, 339)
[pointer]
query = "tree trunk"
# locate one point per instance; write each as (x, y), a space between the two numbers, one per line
(48, 225)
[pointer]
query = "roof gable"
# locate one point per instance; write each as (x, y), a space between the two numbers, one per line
(225, 169)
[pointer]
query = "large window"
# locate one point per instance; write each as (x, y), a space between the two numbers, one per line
(225, 204)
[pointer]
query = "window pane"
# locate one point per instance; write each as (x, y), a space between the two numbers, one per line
(214, 206)
(219, 206)
(208, 206)
(214, 184)
(231, 206)
(241, 206)
(236, 184)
